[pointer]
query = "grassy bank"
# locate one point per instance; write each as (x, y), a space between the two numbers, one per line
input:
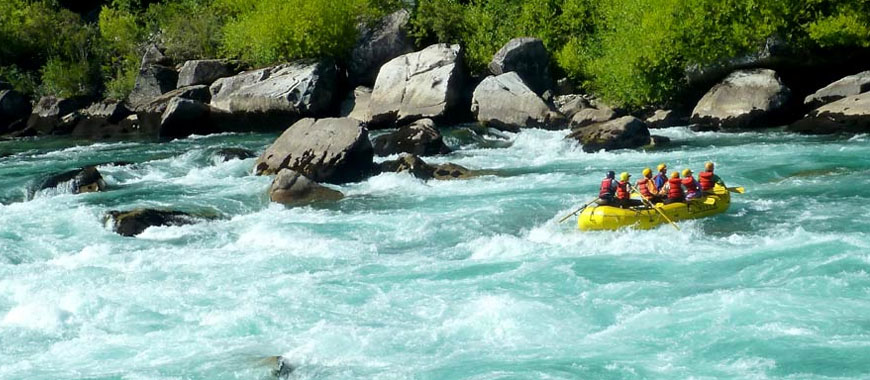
(630, 52)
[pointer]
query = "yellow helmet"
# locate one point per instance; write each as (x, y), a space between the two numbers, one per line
(662, 166)
(709, 166)
(624, 176)
(647, 172)
(687, 172)
(675, 174)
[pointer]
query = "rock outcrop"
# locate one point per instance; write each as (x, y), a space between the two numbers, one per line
(84, 180)
(153, 80)
(667, 119)
(848, 86)
(849, 115)
(334, 150)
(54, 116)
(626, 132)
(14, 110)
(409, 163)
(745, 99)
(204, 72)
(421, 138)
(424, 84)
(506, 102)
(293, 189)
(178, 113)
(377, 45)
(569, 105)
(134, 222)
(589, 116)
(105, 120)
(529, 59)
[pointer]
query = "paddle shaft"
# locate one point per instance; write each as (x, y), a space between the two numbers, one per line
(650, 204)
(578, 210)
(738, 190)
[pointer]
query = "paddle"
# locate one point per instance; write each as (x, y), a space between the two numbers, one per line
(648, 203)
(739, 190)
(578, 210)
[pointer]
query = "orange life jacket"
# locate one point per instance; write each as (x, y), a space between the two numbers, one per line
(706, 180)
(622, 190)
(690, 184)
(643, 187)
(675, 190)
(606, 192)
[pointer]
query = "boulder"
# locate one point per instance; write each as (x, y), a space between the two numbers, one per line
(84, 180)
(589, 116)
(420, 169)
(105, 120)
(569, 105)
(848, 86)
(54, 116)
(850, 115)
(377, 45)
(527, 57)
(112, 111)
(505, 102)
(227, 154)
(667, 119)
(623, 133)
(293, 189)
(424, 84)
(203, 71)
(356, 106)
(178, 113)
(153, 80)
(746, 98)
(656, 141)
(335, 150)
(14, 107)
(421, 138)
(294, 90)
(134, 222)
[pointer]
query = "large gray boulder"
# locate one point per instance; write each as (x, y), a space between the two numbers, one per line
(421, 138)
(746, 98)
(356, 105)
(14, 108)
(105, 120)
(204, 71)
(335, 150)
(377, 45)
(850, 115)
(293, 189)
(848, 86)
(527, 57)
(54, 116)
(297, 89)
(178, 113)
(627, 132)
(424, 84)
(506, 102)
(153, 80)
(113, 111)
(589, 116)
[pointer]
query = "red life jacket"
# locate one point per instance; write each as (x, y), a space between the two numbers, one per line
(690, 184)
(622, 190)
(606, 191)
(706, 180)
(643, 187)
(676, 189)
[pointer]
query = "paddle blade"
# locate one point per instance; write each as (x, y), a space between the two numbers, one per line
(739, 190)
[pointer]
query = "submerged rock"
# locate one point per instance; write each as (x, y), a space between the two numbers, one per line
(421, 138)
(506, 102)
(529, 59)
(746, 98)
(84, 180)
(227, 154)
(850, 115)
(420, 169)
(293, 189)
(626, 132)
(134, 222)
(333, 150)
(424, 84)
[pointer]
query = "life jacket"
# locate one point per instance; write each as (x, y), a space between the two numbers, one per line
(643, 187)
(606, 192)
(675, 190)
(706, 180)
(690, 184)
(622, 190)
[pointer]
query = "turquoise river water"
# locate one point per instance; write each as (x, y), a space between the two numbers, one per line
(468, 279)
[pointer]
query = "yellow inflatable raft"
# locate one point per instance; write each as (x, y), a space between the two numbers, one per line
(597, 217)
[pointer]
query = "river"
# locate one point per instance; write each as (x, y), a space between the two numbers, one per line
(467, 279)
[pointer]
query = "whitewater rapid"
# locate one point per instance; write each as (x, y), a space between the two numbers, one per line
(468, 279)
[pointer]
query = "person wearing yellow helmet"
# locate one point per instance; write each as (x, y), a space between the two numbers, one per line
(693, 189)
(623, 195)
(647, 187)
(674, 189)
(707, 179)
(662, 177)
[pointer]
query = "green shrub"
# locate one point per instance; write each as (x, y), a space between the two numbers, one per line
(843, 29)
(190, 29)
(68, 78)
